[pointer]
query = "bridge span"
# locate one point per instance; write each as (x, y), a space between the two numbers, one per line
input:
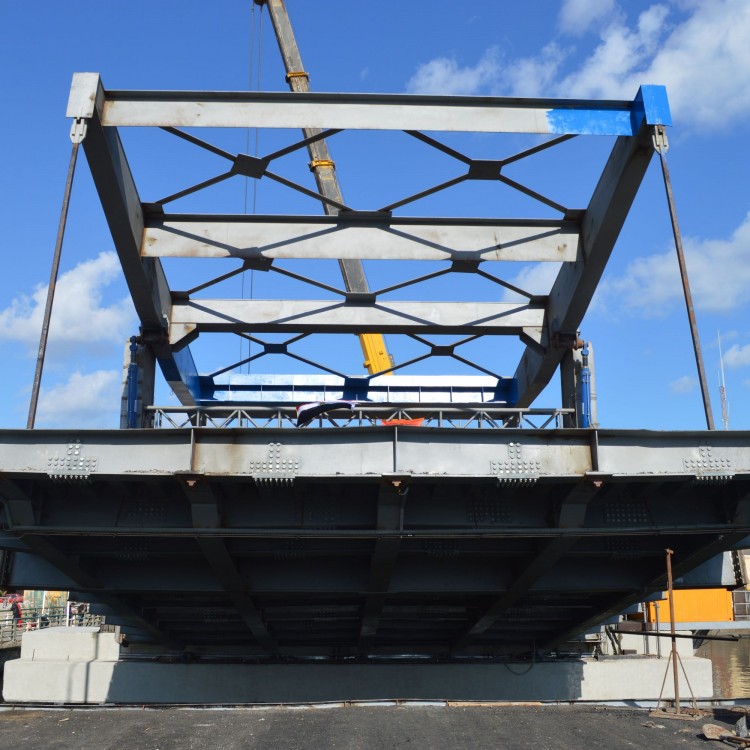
(379, 540)
(430, 521)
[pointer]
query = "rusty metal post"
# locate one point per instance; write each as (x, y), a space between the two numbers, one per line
(52, 283)
(660, 144)
(674, 657)
(658, 628)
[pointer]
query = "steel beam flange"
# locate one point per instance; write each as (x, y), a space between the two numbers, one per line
(714, 477)
(72, 465)
(286, 480)
(517, 480)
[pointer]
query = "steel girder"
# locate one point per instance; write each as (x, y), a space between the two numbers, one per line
(367, 541)
(580, 239)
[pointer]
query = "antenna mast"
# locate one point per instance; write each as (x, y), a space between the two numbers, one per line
(723, 389)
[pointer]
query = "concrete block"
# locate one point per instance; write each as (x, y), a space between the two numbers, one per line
(70, 644)
(615, 679)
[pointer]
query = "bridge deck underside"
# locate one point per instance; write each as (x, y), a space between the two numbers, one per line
(379, 541)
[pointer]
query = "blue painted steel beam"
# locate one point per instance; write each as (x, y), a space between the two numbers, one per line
(458, 389)
(650, 105)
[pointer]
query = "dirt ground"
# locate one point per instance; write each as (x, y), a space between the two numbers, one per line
(352, 727)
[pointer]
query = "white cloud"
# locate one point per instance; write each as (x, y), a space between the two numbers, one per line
(610, 71)
(443, 75)
(702, 56)
(578, 16)
(527, 76)
(718, 270)
(89, 401)
(535, 279)
(685, 384)
(79, 316)
(703, 61)
(737, 356)
(533, 76)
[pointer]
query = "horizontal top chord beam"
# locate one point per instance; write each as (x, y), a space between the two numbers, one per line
(367, 111)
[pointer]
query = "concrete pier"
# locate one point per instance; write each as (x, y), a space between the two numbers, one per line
(83, 665)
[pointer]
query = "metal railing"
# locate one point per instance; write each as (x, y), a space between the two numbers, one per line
(741, 604)
(376, 415)
(38, 618)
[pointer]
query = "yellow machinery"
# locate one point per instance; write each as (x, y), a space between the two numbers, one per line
(377, 358)
(695, 605)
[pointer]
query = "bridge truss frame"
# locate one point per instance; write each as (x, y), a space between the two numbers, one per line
(144, 233)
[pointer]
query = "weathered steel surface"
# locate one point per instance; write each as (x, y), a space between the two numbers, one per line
(361, 111)
(336, 316)
(581, 239)
(375, 540)
(391, 238)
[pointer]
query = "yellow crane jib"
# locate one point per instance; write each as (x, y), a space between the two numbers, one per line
(377, 358)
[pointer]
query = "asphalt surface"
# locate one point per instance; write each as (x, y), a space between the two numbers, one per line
(410, 726)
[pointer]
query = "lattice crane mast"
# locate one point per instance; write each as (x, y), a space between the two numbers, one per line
(377, 358)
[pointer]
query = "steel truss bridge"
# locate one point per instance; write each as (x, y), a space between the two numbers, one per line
(361, 536)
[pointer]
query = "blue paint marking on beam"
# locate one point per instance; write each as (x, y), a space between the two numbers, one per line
(650, 104)
(180, 367)
(589, 121)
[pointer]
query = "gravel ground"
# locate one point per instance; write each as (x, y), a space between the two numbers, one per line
(352, 727)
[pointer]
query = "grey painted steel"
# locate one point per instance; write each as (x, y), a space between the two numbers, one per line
(380, 540)
(20, 510)
(572, 515)
(335, 316)
(206, 513)
(581, 240)
(576, 283)
(117, 191)
(351, 237)
(315, 110)
(373, 451)
(322, 167)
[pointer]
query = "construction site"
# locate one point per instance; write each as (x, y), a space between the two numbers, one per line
(353, 491)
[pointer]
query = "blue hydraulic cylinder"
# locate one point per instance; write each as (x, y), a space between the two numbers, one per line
(585, 378)
(132, 386)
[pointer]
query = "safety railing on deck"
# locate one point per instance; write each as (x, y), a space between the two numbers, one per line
(37, 618)
(377, 415)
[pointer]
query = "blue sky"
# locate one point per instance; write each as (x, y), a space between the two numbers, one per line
(646, 374)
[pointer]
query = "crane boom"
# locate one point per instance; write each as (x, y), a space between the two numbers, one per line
(377, 358)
